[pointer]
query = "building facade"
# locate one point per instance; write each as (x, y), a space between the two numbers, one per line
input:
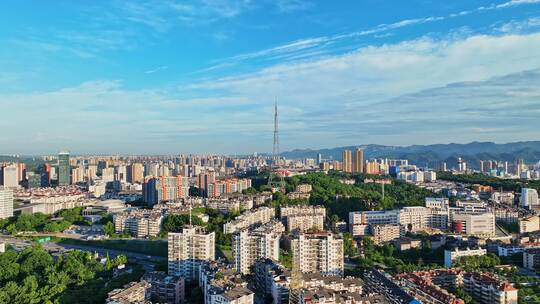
(188, 249)
(64, 169)
(6, 202)
(320, 252)
(250, 245)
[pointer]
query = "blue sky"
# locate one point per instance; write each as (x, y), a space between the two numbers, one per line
(201, 76)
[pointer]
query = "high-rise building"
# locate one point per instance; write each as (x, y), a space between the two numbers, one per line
(135, 173)
(45, 172)
(204, 180)
(320, 252)
(188, 249)
(120, 174)
(10, 176)
(165, 188)
(21, 172)
(63, 169)
(347, 161)
(77, 175)
(358, 161)
(6, 202)
(250, 245)
(529, 198)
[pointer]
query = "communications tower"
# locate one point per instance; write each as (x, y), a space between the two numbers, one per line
(275, 178)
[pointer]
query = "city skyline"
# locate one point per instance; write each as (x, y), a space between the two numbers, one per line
(171, 77)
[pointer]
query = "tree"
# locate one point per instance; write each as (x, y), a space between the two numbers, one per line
(349, 248)
(34, 260)
(109, 229)
(9, 267)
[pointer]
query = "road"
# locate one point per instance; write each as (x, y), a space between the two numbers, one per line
(147, 261)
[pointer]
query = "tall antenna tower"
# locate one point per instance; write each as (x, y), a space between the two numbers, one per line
(275, 179)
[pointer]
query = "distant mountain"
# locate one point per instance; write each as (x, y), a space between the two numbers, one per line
(433, 155)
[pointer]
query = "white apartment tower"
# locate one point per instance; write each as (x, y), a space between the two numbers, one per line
(320, 252)
(529, 198)
(188, 249)
(6, 202)
(249, 246)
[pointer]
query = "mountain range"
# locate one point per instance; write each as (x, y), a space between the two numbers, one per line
(434, 155)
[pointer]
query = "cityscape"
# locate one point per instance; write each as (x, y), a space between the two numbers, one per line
(407, 171)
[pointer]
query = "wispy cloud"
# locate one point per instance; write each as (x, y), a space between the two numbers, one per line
(157, 69)
(164, 15)
(520, 26)
(422, 90)
(289, 6)
(329, 44)
(516, 3)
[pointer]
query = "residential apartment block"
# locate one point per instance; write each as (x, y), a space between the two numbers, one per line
(386, 233)
(6, 202)
(188, 249)
(303, 218)
(223, 285)
(164, 188)
(139, 223)
(249, 245)
(250, 218)
(451, 255)
(320, 252)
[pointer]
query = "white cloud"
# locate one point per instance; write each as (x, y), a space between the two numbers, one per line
(520, 26)
(288, 6)
(416, 91)
(516, 3)
(155, 70)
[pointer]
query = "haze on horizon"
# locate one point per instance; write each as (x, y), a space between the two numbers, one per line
(168, 77)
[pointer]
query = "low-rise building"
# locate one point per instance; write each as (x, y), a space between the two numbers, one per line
(529, 224)
(339, 226)
(486, 289)
(386, 233)
(272, 280)
(378, 282)
(139, 223)
(134, 292)
(250, 218)
(302, 209)
(451, 255)
(358, 220)
(406, 243)
(475, 224)
(223, 285)
(423, 287)
(165, 288)
(303, 218)
(304, 222)
(531, 258)
(506, 215)
(506, 198)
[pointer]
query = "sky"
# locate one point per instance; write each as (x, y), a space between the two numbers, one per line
(202, 76)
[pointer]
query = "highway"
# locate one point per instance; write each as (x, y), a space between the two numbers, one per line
(147, 261)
